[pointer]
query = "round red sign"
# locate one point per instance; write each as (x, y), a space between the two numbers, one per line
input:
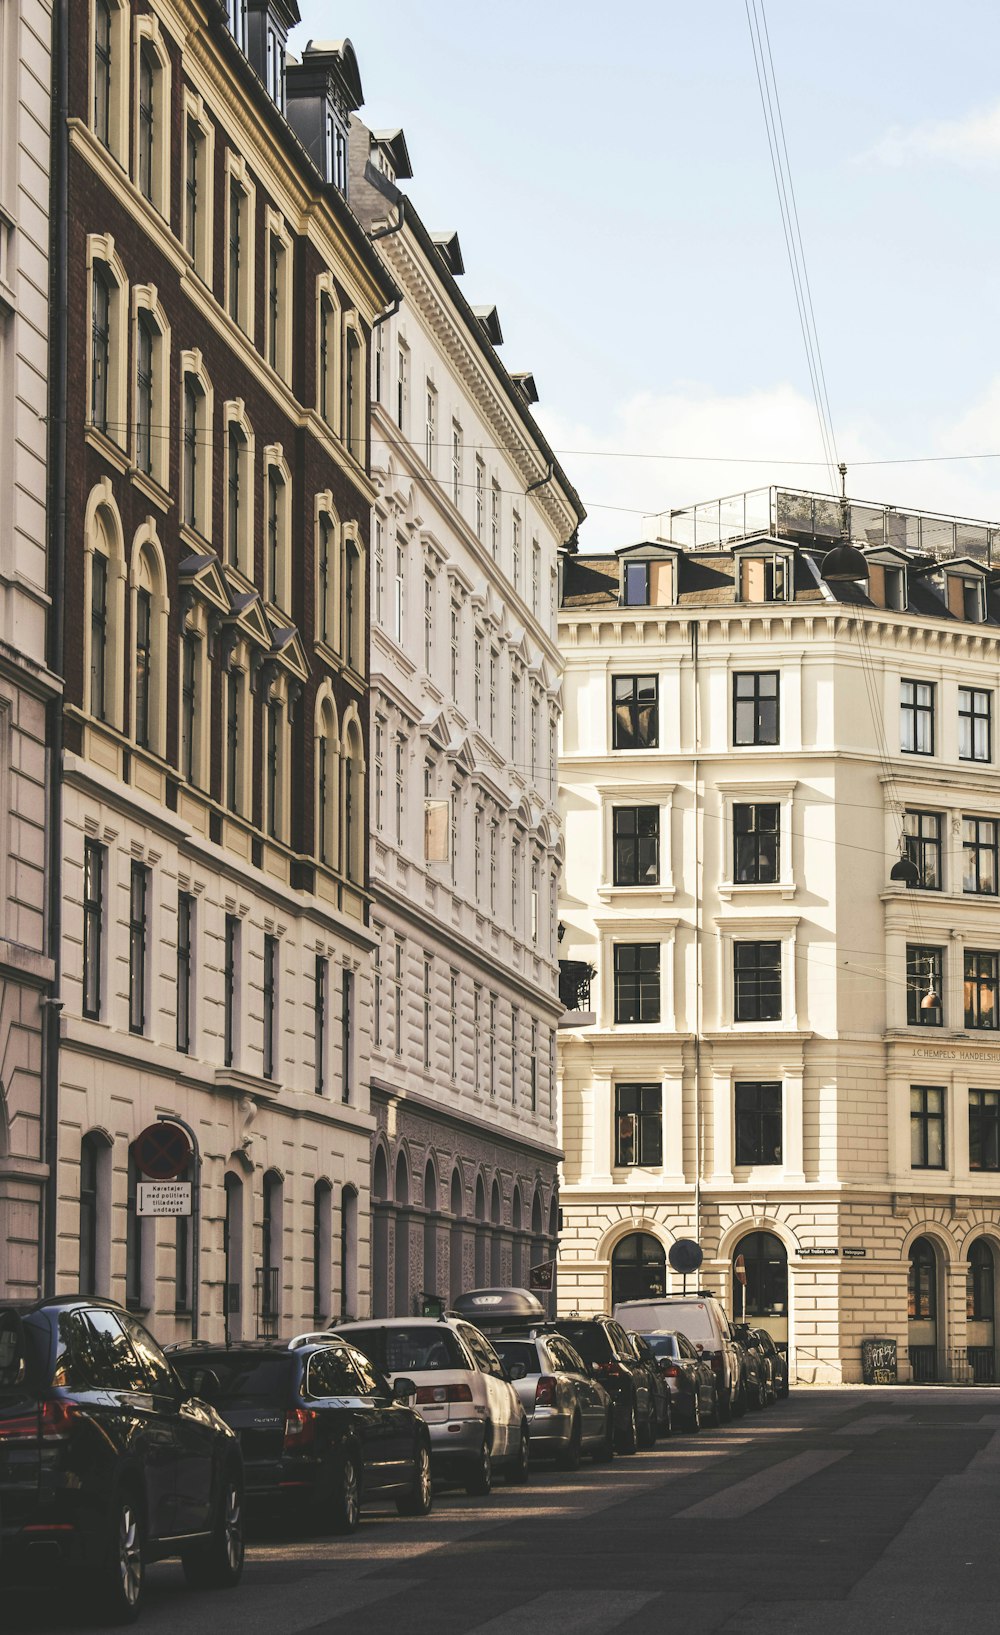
(162, 1151)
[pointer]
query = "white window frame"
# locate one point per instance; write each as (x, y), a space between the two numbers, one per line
(234, 413)
(191, 363)
(101, 249)
(279, 594)
(146, 299)
(202, 256)
(731, 929)
(237, 172)
(148, 35)
(281, 362)
(756, 792)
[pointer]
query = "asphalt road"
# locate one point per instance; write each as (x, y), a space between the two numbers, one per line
(848, 1512)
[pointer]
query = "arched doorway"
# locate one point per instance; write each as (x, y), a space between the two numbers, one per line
(456, 1237)
(482, 1237)
(430, 1229)
(921, 1306)
(763, 1299)
(380, 1235)
(496, 1242)
(980, 1306)
(638, 1268)
(516, 1269)
(401, 1198)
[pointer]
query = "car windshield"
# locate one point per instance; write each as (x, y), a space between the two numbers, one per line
(663, 1345)
(589, 1339)
(243, 1376)
(521, 1351)
(420, 1349)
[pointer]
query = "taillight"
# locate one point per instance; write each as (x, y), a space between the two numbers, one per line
(52, 1422)
(300, 1427)
(670, 1371)
(545, 1391)
(606, 1368)
(428, 1394)
(22, 1429)
(718, 1366)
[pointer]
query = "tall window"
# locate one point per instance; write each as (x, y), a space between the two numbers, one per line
(639, 1125)
(916, 717)
(982, 975)
(236, 452)
(757, 981)
(275, 525)
(975, 724)
(275, 280)
(354, 394)
(321, 981)
(231, 954)
(98, 635)
(515, 550)
(755, 843)
(194, 432)
(137, 942)
(755, 707)
(533, 1069)
(234, 730)
(979, 855)
(491, 1040)
(270, 1005)
(146, 338)
(456, 464)
(921, 1303)
(637, 982)
(428, 620)
(536, 577)
(922, 839)
(100, 369)
(477, 1023)
(185, 968)
(377, 988)
(327, 360)
(399, 785)
(635, 708)
(321, 1250)
(980, 1284)
(515, 1028)
(397, 996)
(480, 497)
(143, 663)
(147, 120)
(455, 647)
(190, 667)
(430, 426)
(93, 925)
(92, 1153)
(453, 994)
(758, 1123)
(923, 986)
(926, 1126)
(984, 1129)
(274, 766)
(102, 71)
(428, 1001)
(495, 520)
(194, 182)
(402, 385)
(325, 571)
(239, 251)
(399, 595)
(347, 1036)
(636, 845)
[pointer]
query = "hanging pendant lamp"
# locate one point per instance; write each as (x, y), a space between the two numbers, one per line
(905, 872)
(845, 564)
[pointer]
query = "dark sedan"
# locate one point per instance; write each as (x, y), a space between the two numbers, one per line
(778, 1360)
(569, 1413)
(757, 1373)
(690, 1380)
(318, 1424)
(107, 1462)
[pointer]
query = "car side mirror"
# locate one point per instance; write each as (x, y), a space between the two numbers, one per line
(403, 1390)
(516, 1371)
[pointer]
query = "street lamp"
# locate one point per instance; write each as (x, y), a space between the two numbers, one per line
(845, 563)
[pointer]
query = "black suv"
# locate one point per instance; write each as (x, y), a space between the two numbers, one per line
(318, 1424)
(630, 1380)
(106, 1461)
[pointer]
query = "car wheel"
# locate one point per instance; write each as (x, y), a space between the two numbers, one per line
(569, 1458)
(480, 1480)
(218, 1563)
(605, 1449)
(715, 1416)
(628, 1438)
(418, 1501)
(119, 1580)
(667, 1422)
(694, 1422)
(517, 1471)
(724, 1405)
(647, 1436)
(345, 1502)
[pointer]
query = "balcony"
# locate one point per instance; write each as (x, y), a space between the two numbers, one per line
(575, 977)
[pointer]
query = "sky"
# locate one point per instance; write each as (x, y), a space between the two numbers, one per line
(607, 170)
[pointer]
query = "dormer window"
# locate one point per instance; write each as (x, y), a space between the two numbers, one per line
(765, 578)
(275, 80)
(972, 600)
(895, 588)
(966, 596)
(336, 153)
(888, 586)
(647, 583)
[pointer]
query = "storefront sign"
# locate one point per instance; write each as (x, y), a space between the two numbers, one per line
(163, 1198)
(945, 1054)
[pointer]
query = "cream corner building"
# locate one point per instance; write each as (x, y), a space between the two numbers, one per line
(771, 1045)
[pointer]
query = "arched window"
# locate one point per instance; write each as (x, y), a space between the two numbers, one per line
(921, 1291)
(482, 1235)
(327, 535)
(638, 1268)
(327, 790)
(238, 545)
(277, 528)
(380, 1176)
(430, 1229)
(349, 1253)
(354, 805)
(232, 1247)
(354, 394)
(456, 1270)
(401, 1196)
(196, 445)
(516, 1267)
(496, 1242)
(271, 1253)
(105, 67)
(766, 1265)
(353, 623)
(104, 588)
(152, 133)
(149, 631)
(980, 1283)
(322, 1247)
(401, 1193)
(95, 1213)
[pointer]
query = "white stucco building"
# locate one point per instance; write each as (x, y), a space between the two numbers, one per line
(783, 1051)
(471, 513)
(26, 687)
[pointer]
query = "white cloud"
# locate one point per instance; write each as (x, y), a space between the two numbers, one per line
(723, 445)
(973, 141)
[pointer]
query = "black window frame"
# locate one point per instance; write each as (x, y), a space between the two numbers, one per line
(627, 695)
(93, 926)
(756, 847)
(190, 643)
(138, 936)
(231, 951)
(194, 138)
(924, 975)
(645, 998)
(750, 696)
(103, 70)
(321, 971)
(635, 571)
(922, 841)
(191, 431)
(346, 1037)
(984, 1131)
(185, 968)
(147, 334)
(914, 713)
(758, 1113)
(757, 980)
(99, 635)
(146, 138)
(631, 826)
(235, 445)
(643, 1138)
(100, 359)
(923, 1120)
(981, 974)
(234, 713)
(974, 848)
(91, 1152)
(143, 664)
(270, 990)
(980, 1282)
(975, 706)
(237, 198)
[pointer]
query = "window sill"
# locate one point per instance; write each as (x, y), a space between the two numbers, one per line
(612, 894)
(746, 890)
(107, 447)
(150, 486)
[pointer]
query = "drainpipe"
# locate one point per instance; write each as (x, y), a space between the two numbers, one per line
(693, 628)
(58, 284)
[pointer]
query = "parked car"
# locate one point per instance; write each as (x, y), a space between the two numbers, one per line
(568, 1411)
(630, 1381)
(689, 1379)
(779, 1361)
(661, 1391)
(107, 1461)
(462, 1390)
(319, 1426)
(701, 1317)
(758, 1375)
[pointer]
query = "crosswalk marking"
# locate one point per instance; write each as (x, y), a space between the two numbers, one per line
(757, 1490)
(569, 1612)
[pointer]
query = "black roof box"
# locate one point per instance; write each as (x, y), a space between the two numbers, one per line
(499, 1308)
